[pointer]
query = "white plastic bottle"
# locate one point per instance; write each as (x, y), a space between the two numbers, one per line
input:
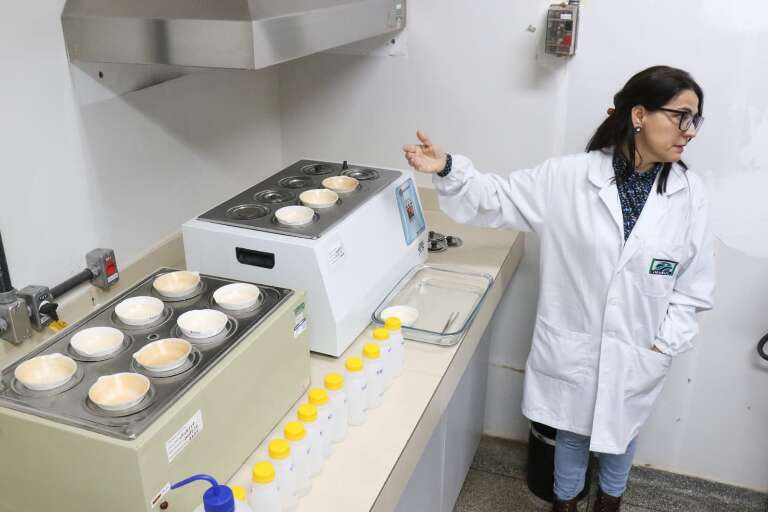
(334, 383)
(395, 328)
(280, 454)
(319, 398)
(241, 499)
(296, 435)
(218, 498)
(307, 414)
(381, 337)
(264, 495)
(357, 391)
(374, 374)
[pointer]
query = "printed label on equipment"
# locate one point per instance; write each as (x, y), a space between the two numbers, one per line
(181, 439)
(159, 495)
(336, 253)
(299, 321)
(566, 16)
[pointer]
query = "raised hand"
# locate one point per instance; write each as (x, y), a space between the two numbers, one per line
(425, 157)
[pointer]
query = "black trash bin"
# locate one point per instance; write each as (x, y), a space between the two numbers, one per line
(541, 463)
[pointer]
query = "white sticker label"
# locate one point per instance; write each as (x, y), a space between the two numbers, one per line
(336, 253)
(181, 439)
(566, 16)
(299, 321)
(159, 495)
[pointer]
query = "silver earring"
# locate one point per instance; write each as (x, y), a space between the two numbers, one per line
(637, 129)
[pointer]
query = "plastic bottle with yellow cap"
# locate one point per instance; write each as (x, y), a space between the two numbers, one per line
(307, 414)
(374, 373)
(285, 475)
(395, 328)
(319, 398)
(381, 338)
(357, 390)
(241, 498)
(296, 435)
(264, 495)
(334, 384)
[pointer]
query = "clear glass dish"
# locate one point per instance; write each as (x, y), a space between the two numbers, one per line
(446, 300)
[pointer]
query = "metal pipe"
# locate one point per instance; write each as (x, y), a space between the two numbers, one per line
(5, 276)
(78, 279)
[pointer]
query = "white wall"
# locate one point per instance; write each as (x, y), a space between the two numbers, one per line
(82, 167)
(476, 81)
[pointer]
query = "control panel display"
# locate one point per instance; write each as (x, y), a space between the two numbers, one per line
(410, 211)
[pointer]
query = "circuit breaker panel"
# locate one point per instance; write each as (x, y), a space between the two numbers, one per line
(562, 28)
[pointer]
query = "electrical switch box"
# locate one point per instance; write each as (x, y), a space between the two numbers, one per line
(103, 265)
(562, 29)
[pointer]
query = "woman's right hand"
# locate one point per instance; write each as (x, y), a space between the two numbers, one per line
(425, 157)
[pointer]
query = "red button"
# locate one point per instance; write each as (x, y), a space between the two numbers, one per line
(567, 39)
(111, 267)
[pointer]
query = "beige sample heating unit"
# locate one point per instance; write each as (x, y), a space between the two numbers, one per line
(62, 452)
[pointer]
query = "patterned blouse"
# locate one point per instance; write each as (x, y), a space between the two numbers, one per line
(633, 190)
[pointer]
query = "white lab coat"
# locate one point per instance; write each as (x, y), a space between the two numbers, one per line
(603, 304)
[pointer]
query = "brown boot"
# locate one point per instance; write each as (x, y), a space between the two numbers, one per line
(606, 503)
(564, 506)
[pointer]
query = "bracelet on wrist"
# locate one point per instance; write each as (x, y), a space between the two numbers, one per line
(447, 169)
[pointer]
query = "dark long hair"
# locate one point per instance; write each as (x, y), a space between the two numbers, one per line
(652, 88)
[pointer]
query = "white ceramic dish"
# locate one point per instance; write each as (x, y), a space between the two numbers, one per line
(341, 184)
(319, 198)
(97, 341)
(237, 296)
(119, 391)
(163, 355)
(202, 323)
(45, 372)
(176, 284)
(407, 314)
(294, 215)
(139, 310)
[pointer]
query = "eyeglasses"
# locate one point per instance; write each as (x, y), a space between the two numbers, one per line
(686, 119)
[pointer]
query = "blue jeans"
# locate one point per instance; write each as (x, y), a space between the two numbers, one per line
(572, 458)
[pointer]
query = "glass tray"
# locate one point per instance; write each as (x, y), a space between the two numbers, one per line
(438, 294)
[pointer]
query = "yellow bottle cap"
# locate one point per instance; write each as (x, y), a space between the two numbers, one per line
(393, 323)
(263, 472)
(239, 492)
(334, 381)
(318, 396)
(279, 449)
(354, 364)
(371, 351)
(307, 412)
(294, 431)
(380, 334)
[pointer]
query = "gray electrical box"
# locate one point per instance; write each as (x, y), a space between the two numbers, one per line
(562, 29)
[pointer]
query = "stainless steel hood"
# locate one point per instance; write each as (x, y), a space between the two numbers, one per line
(241, 34)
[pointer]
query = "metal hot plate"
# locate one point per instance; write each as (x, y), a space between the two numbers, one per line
(69, 403)
(255, 208)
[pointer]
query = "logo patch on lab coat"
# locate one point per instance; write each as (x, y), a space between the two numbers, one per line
(662, 267)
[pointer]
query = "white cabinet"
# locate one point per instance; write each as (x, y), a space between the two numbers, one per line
(440, 473)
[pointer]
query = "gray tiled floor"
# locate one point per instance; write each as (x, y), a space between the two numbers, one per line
(496, 482)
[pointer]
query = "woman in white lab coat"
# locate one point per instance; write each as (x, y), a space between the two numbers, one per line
(626, 264)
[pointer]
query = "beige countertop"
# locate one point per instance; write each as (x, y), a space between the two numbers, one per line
(371, 467)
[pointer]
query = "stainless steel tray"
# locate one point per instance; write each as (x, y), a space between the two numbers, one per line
(439, 294)
(70, 404)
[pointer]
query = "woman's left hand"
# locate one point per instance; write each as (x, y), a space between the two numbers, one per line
(656, 349)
